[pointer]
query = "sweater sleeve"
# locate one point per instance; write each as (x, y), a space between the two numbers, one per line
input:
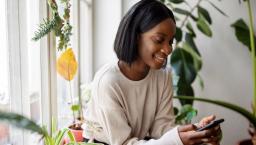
(165, 119)
(115, 124)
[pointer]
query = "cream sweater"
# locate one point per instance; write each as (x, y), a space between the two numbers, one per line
(128, 111)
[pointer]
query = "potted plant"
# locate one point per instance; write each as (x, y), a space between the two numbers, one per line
(67, 68)
(53, 138)
(186, 60)
(246, 36)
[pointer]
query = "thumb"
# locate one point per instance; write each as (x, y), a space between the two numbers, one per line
(189, 127)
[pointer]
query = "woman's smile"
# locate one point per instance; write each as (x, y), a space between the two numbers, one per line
(160, 58)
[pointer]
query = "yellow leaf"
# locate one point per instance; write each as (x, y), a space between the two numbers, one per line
(67, 64)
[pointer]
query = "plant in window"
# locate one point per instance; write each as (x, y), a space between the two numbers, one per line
(66, 63)
(67, 68)
(59, 25)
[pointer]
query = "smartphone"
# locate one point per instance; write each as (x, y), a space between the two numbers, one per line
(211, 124)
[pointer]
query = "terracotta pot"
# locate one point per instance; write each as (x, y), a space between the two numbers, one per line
(78, 134)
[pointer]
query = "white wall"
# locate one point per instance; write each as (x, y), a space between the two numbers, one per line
(106, 18)
(226, 71)
(226, 63)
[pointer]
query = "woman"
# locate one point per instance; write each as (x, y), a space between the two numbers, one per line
(132, 98)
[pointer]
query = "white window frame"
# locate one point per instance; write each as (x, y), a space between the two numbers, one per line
(18, 81)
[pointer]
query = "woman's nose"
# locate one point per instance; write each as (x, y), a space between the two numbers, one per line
(167, 49)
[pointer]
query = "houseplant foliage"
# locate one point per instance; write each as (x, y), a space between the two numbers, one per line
(245, 34)
(57, 24)
(53, 138)
(66, 63)
(186, 60)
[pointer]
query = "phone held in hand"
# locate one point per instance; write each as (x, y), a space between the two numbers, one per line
(211, 124)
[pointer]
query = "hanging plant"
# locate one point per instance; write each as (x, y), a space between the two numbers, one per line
(59, 25)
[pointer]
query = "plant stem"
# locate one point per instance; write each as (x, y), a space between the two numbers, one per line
(252, 43)
(187, 16)
(72, 100)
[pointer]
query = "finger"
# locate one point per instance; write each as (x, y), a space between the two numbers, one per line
(185, 128)
(212, 140)
(207, 120)
(202, 134)
(216, 131)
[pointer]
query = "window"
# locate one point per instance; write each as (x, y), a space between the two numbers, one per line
(22, 62)
(28, 69)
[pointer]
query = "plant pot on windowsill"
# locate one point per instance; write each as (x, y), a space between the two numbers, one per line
(77, 131)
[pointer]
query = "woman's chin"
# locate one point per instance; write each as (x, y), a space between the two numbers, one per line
(157, 66)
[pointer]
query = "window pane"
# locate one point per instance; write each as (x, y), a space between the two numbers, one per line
(34, 68)
(4, 88)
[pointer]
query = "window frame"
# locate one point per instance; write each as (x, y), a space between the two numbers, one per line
(18, 68)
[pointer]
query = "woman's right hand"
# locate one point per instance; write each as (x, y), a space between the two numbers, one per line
(189, 136)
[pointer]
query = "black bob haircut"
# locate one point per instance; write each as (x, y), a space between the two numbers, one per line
(143, 16)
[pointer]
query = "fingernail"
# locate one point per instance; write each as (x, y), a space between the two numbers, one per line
(205, 139)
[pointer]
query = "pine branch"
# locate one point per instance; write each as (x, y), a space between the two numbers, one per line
(44, 29)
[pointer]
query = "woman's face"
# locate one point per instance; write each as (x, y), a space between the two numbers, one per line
(155, 45)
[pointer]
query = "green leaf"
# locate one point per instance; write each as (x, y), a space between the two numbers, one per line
(190, 40)
(242, 33)
(185, 90)
(21, 122)
(75, 107)
(183, 65)
(201, 82)
(218, 9)
(190, 29)
(202, 11)
(176, 1)
(184, 12)
(71, 136)
(204, 27)
(248, 115)
(60, 136)
(181, 11)
(196, 58)
(175, 110)
(178, 35)
(53, 126)
(187, 113)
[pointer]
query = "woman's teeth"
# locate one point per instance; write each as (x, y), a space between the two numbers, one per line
(160, 59)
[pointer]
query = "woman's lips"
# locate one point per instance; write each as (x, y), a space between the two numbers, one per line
(160, 59)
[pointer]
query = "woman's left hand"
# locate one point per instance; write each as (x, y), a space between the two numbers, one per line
(217, 135)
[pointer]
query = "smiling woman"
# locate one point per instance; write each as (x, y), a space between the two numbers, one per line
(132, 97)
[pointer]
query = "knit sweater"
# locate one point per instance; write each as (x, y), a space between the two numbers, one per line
(127, 111)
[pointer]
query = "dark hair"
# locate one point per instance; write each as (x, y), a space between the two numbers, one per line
(143, 16)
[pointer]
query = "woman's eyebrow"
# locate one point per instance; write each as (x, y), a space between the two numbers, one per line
(160, 33)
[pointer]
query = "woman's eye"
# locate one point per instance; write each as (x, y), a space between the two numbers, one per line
(171, 42)
(158, 41)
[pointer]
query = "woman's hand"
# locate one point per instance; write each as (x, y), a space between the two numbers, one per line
(189, 136)
(217, 129)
